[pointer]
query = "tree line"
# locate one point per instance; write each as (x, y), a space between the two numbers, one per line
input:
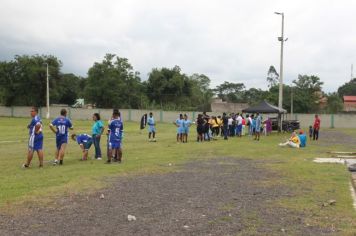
(113, 82)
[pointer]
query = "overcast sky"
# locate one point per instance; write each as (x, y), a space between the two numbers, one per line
(233, 41)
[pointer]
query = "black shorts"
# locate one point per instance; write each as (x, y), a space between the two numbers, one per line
(200, 129)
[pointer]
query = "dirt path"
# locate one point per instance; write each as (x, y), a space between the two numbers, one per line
(223, 196)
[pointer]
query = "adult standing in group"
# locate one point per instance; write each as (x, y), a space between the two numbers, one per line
(250, 125)
(225, 125)
(258, 126)
(97, 131)
(316, 127)
(35, 142)
(60, 127)
(238, 125)
(200, 128)
(116, 128)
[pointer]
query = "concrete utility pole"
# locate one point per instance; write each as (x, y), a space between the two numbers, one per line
(281, 39)
(47, 94)
(280, 96)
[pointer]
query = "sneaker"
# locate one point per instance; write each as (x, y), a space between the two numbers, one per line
(55, 162)
(99, 158)
(25, 166)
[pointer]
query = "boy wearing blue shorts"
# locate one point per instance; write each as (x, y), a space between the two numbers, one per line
(116, 128)
(179, 124)
(60, 127)
(85, 141)
(151, 128)
(35, 142)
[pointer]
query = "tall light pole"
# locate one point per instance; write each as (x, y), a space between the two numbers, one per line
(291, 102)
(47, 93)
(281, 39)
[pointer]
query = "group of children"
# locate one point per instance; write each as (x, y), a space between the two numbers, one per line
(210, 127)
(60, 127)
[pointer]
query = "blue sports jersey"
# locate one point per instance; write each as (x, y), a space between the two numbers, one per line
(151, 121)
(62, 124)
(31, 127)
(186, 123)
(179, 123)
(83, 138)
(116, 128)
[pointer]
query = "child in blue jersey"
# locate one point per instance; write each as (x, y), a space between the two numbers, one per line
(151, 128)
(186, 124)
(60, 127)
(35, 142)
(302, 139)
(116, 128)
(179, 125)
(85, 141)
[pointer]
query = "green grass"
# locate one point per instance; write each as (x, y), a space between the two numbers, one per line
(312, 184)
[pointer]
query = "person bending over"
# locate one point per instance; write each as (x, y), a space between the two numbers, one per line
(85, 141)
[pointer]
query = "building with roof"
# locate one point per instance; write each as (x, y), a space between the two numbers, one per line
(349, 103)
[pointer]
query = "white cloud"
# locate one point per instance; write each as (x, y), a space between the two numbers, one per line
(227, 40)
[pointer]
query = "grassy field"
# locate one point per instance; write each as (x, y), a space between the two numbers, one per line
(312, 183)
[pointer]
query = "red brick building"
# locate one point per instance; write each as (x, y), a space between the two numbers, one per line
(349, 103)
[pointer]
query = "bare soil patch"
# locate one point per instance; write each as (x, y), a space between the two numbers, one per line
(223, 196)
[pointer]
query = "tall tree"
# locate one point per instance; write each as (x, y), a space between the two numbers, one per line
(272, 77)
(334, 104)
(231, 92)
(348, 88)
(113, 83)
(23, 80)
(308, 92)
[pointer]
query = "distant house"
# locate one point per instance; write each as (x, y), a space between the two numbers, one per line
(218, 105)
(349, 103)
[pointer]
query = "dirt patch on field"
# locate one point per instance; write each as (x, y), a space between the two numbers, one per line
(334, 137)
(223, 196)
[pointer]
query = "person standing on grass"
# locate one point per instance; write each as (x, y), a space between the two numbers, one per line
(316, 127)
(250, 125)
(258, 126)
(85, 141)
(116, 128)
(60, 127)
(179, 125)
(243, 132)
(97, 131)
(225, 125)
(200, 127)
(151, 128)
(35, 142)
(186, 124)
(238, 125)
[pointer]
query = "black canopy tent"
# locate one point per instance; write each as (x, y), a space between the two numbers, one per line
(265, 107)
